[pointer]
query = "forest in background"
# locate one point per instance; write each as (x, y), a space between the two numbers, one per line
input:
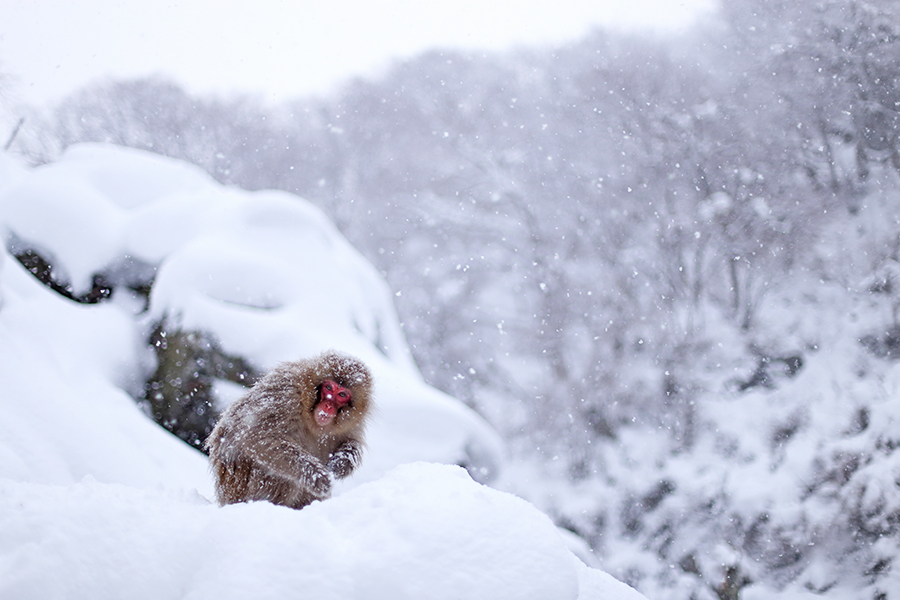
(593, 245)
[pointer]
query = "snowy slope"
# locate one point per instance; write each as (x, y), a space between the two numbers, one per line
(422, 531)
(97, 501)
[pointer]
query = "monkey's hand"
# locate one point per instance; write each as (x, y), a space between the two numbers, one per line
(345, 459)
(316, 478)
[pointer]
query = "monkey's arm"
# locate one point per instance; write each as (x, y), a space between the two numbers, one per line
(290, 462)
(345, 459)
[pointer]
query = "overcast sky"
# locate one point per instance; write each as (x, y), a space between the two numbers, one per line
(280, 49)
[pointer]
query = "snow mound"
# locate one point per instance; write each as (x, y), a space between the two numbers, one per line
(422, 531)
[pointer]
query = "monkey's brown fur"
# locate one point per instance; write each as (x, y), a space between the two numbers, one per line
(267, 445)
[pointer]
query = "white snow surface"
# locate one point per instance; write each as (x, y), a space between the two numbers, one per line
(421, 531)
(97, 501)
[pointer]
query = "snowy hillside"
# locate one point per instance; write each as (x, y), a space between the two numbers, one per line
(97, 501)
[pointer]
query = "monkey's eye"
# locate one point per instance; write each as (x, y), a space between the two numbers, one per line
(344, 395)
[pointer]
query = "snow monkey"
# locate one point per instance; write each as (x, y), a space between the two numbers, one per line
(299, 427)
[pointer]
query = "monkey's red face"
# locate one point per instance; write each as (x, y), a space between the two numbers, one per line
(332, 397)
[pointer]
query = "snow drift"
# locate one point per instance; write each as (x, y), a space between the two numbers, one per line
(97, 501)
(422, 531)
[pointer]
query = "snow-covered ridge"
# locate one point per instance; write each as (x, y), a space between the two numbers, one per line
(98, 501)
(422, 531)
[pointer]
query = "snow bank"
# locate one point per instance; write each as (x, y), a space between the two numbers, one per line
(422, 531)
(139, 525)
(97, 501)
